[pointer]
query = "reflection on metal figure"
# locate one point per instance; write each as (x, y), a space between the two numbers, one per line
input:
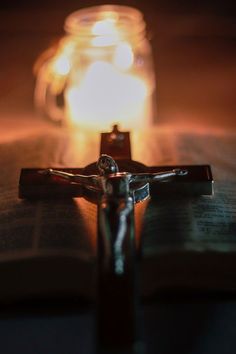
(116, 202)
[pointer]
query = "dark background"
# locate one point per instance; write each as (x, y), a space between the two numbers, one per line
(226, 6)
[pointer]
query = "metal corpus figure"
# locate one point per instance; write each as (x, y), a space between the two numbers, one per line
(118, 192)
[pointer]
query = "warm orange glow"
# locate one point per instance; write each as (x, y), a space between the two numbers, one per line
(105, 27)
(61, 65)
(105, 32)
(123, 56)
(101, 74)
(106, 95)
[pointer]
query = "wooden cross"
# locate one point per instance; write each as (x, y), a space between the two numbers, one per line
(115, 183)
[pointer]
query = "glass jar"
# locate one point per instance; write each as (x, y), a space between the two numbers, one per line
(101, 73)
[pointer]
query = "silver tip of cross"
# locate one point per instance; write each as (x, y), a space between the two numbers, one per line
(47, 171)
(180, 172)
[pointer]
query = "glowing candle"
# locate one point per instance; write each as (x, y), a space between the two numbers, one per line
(101, 71)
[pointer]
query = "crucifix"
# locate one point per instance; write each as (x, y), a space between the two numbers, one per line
(116, 183)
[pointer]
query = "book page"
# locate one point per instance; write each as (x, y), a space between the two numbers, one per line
(45, 227)
(204, 223)
(41, 228)
(199, 224)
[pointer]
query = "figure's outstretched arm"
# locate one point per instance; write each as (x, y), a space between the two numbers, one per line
(157, 177)
(91, 181)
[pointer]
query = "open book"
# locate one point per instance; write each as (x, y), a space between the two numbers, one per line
(48, 247)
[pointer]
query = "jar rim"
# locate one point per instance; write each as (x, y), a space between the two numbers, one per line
(79, 22)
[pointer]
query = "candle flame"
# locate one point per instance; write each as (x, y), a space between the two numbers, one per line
(106, 95)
